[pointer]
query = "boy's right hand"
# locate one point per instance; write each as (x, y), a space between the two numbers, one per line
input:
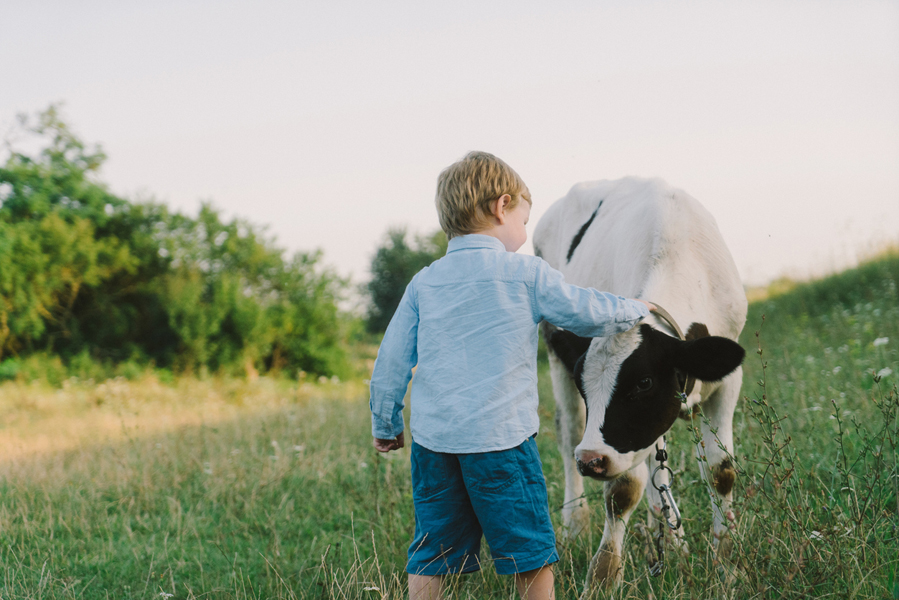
(388, 445)
(649, 305)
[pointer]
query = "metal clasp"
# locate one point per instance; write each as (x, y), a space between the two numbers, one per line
(673, 525)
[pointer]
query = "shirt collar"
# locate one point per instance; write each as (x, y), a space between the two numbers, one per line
(474, 241)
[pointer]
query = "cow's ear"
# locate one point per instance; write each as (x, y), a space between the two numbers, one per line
(569, 347)
(708, 359)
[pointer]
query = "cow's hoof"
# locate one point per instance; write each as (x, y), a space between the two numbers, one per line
(643, 533)
(679, 544)
(727, 571)
(574, 522)
(606, 571)
(724, 547)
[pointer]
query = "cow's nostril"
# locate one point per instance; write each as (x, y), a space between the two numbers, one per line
(596, 464)
(599, 464)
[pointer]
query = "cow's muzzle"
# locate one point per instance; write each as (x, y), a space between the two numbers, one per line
(596, 467)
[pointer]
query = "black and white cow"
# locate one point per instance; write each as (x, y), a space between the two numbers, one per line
(617, 396)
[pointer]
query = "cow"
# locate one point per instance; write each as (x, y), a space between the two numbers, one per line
(617, 396)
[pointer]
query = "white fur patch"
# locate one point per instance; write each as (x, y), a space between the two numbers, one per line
(601, 367)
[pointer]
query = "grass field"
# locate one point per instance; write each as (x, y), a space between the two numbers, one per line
(270, 489)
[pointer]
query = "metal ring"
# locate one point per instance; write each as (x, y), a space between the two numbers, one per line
(657, 469)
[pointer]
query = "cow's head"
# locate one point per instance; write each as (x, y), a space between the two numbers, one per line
(630, 383)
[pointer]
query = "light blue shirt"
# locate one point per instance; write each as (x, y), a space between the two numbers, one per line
(469, 321)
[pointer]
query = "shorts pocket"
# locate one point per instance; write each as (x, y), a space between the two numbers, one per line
(493, 472)
(531, 465)
(430, 471)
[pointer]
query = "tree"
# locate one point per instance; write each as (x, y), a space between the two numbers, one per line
(82, 270)
(394, 265)
(53, 244)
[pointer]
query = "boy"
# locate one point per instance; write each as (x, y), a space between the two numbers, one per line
(469, 321)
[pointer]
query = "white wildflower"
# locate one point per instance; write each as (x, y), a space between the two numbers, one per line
(881, 341)
(299, 448)
(885, 372)
(837, 369)
(809, 359)
(363, 465)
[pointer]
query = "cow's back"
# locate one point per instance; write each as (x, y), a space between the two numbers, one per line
(643, 238)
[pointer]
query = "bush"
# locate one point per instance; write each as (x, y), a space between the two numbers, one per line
(392, 268)
(9, 369)
(99, 280)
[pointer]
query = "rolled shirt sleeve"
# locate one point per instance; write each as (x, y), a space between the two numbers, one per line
(584, 311)
(390, 377)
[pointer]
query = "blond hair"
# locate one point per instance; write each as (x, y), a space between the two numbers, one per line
(466, 189)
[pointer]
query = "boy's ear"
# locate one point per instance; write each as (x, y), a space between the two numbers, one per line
(569, 347)
(498, 207)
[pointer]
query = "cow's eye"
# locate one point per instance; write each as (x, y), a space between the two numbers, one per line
(644, 384)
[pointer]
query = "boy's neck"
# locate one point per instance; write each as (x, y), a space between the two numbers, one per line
(495, 232)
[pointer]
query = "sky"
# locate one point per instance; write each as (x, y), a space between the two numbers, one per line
(328, 122)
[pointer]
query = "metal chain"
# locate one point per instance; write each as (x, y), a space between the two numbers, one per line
(669, 506)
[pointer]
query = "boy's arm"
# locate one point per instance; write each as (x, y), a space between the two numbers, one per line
(584, 311)
(393, 370)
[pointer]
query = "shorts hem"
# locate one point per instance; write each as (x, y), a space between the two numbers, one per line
(534, 560)
(433, 568)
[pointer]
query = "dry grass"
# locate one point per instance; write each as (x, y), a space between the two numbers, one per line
(226, 488)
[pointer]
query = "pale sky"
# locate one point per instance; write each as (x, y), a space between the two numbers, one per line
(330, 121)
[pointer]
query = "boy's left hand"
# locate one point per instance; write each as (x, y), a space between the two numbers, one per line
(388, 445)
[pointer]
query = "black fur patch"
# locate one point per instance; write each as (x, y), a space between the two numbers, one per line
(695, 331)
(637, 415)
(635, 419)
(570, 348)
(580, 234)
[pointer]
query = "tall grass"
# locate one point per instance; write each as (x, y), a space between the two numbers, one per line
(270, 489)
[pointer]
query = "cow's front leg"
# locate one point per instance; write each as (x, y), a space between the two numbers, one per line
(571, 415)
(654, 500)
(717, 447)
(621, 497)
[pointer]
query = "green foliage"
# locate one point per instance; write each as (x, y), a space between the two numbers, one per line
(9, 369)
(394, 265)
(90, 276)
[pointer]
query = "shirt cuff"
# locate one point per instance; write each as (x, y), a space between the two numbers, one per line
(634, 311)
(384, 431)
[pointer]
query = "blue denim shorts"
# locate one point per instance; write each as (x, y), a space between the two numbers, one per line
(460, 497)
